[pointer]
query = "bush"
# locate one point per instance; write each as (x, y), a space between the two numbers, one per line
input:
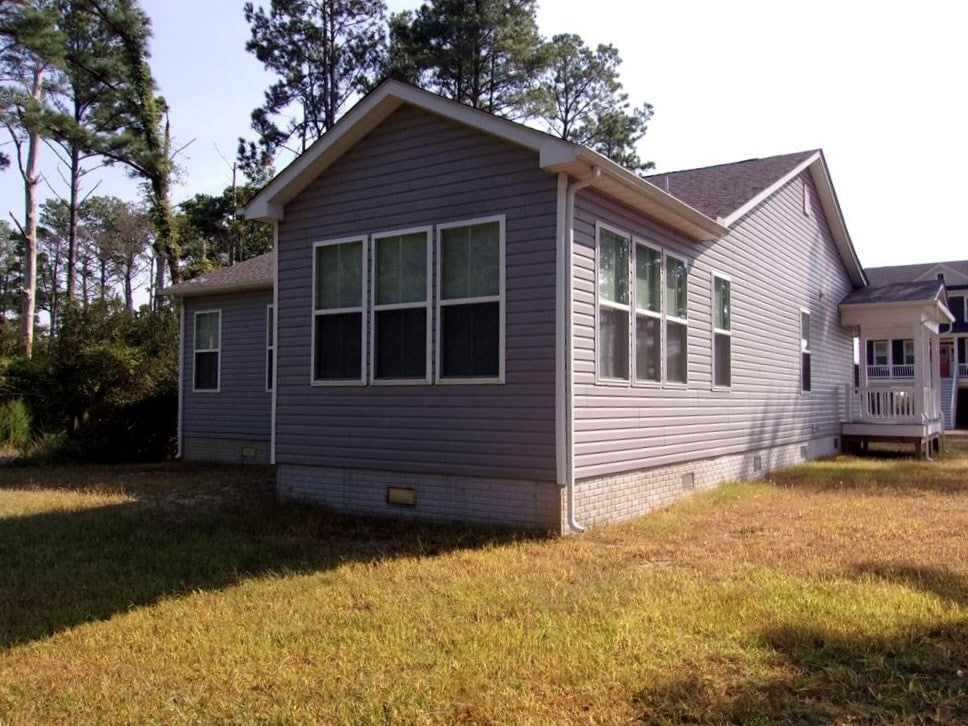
(15, 425)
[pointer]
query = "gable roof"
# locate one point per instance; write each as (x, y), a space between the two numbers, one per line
(921, 271)
(899, 292)
(256, 273)
(555, 155)
(722, 189)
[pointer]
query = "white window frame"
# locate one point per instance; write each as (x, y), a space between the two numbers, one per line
(599, 303)
(888, 351)
(721, 331)
(808, 349)
(906, 345)
(666, 317)
(362, 308)
(196, 351)
(428, 230)
(270, 346)
(500, 298)
(636, 311)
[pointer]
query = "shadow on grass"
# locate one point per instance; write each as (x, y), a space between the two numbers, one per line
(189, 528)
(873, 475)
(917, 675)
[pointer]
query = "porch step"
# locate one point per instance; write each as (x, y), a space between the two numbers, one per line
(947, 402)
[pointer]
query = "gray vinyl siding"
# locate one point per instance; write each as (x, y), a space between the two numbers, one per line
(241, 409)
(413, 170)
(778, 259)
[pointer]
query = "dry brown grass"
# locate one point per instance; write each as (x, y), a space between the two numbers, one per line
(837, 592)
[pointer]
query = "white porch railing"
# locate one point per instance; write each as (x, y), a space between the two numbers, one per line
(895, 371)
(892, 404)
(963, 370)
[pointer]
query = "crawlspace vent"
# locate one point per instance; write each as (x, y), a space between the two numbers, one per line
(689, 481)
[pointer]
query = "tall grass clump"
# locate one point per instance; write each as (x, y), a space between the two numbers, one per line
(15, 424)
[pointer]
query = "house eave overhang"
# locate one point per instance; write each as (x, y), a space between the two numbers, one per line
(820, 174)
(858, 314)
(178, 292)
(555, 156)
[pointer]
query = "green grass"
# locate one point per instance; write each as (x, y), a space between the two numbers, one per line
(836, 592)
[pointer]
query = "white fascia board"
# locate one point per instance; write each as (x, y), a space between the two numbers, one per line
(835, 218)
(883, 313)
(204, 291)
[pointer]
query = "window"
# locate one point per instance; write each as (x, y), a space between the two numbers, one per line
(907, 352)
(270, 346)
(805, 378)
(879, 348)
(470, 314)
(722, 332)
(677, 307)
(957, 307)
(648, 313)
(613, 305)
(401, 306)
(208, 345)
(338, 302)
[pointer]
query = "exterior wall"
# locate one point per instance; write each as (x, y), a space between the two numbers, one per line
(614, 497)
(217, 425)
(778, 259)
(507, 502)
(416, 169)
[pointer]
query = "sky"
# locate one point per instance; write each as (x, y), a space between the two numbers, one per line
(880, 87)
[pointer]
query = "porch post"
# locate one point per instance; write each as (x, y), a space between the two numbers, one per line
(921, 345)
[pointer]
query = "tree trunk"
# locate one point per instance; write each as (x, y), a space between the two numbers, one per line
(31, 182)
(72, 226)
(104, 280)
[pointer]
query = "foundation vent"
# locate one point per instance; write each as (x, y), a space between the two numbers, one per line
(836, 443)
(401, 497)
(757, 463)
(803, 452)
(689, 481)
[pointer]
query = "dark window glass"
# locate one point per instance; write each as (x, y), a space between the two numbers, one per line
(270, 364)
(470, 340)
(648, 352)
(724, 376)
(206, 371)
(401, 343)
(613, 339)
(676, 337)
(338, 347)
(957, 307)
(805, 368)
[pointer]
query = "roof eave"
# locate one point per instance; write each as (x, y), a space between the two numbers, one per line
(202, 290)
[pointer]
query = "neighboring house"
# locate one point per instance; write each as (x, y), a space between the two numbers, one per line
(886, 355)
(477, 321)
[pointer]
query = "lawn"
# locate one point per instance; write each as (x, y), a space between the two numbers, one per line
(836, 592)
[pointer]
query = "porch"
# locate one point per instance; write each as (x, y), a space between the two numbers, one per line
(898, 396)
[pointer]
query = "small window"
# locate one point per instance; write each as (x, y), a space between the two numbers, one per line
(907, 352)
(805, 376)
(613, 304)
(957, 306)
(270, 346)
(677, 311)
(722, 332)
(470, 336)
(338, 291)
(207, 348)
(648, 313)
(880, 356)
(401, 306)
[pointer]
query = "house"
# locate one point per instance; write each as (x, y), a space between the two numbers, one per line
(464, 318)
(886, 356)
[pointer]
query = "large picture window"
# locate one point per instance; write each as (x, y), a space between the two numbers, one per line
(614, 252)
(208, 347)
(470, 320)
(722, 332)
(401, 306)
(677, 313)
(648, 313)
(338, 304)
(805, 377)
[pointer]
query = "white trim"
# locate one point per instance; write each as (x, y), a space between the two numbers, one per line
(675, 319)
(181, 377)
(500, 298)
(275, 343)
(728, 332)
(374, 308)
(361, 309)
(196, 351)
(270, 347)
(636, 311)
(611, 305)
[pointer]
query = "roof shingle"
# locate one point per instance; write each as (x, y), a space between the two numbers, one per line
(253, 274)
(717, 191)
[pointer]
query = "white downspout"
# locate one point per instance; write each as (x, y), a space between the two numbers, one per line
(568, 251)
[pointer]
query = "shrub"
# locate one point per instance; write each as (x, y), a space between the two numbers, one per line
(15, 425)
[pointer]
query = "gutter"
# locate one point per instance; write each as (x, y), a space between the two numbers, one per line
(566, 252)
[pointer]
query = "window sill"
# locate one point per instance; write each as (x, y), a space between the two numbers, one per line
(206, 390)
(336, 384)
(400, 381)
(469, 381)
(613, 382)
